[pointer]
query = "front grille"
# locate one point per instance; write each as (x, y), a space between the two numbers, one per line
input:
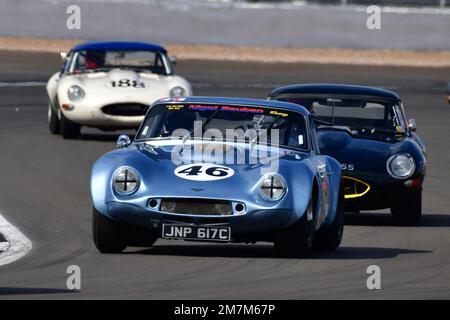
(354, 188)
(126, 109)
(200, 207)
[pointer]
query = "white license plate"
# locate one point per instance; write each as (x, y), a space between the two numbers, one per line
(184, 232)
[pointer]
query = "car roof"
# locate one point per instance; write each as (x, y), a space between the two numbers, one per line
(239, 101)
(335, 89)
(119, 45)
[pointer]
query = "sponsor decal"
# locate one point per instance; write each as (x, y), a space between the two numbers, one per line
(203, 172)
(278, 113)
(198, 107)
(242, 109)
(175, 107)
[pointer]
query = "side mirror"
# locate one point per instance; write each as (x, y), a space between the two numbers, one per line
(173, 59)
(412, 125)
(63, 56)
(123, 141)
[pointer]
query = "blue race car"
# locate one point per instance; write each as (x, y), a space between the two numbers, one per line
(383, 159)
(220, 170)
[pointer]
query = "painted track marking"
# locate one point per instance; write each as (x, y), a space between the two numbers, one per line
(17, 245)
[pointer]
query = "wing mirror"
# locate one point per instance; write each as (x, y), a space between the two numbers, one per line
(173, 59)
(63, 56)
(412, 125)
(123, 141)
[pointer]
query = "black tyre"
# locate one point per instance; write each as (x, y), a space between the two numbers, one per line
(69, 129)
(141, 237)
(53, 121)
(109, 236)
(408, 210)
(328, 239)
(296, 241)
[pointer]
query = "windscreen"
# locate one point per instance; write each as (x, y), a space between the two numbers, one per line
(356, 114)
(104, 60)
(225, 122)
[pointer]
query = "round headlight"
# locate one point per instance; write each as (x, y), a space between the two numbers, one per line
(401, 166)
(125, 180)
(75, 93)
(273, 186)
(177, 92)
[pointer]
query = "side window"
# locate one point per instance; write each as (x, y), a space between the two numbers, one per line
(313, 135)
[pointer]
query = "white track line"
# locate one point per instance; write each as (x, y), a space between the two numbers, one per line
(18, 245)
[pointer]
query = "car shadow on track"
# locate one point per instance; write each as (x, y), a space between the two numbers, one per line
(268, 252)
(7, 291)
(386, 220)
(363, 253)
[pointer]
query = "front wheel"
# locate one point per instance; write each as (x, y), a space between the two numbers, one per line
(408, 210)
(330, 238)
(53, 120)
(69, 129)
(296, 241)
(109, 236)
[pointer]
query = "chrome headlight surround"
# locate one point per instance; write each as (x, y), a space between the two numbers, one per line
(125, 181)
(401, 166)
(177, 92)
(75, 93)
(272, 186)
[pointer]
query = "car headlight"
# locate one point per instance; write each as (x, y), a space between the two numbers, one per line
(177, 92)
(75, 93)
(273, 186)
(125, 180)
(401, 166)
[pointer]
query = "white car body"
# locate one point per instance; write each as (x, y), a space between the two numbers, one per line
(112, 97)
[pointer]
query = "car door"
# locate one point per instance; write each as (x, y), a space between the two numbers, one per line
(323, 172)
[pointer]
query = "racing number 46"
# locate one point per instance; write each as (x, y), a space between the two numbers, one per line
(211, 171)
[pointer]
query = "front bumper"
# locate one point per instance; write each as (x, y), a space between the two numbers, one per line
(98, 115)
(254, 224)
(375, 194)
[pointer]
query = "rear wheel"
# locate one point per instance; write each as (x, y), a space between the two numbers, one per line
(408, 210)
(296, 241)
(328, 239)
(109, 236)
(53, 120)
(69, 129)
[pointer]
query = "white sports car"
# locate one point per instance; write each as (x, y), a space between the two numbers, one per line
(110, 86)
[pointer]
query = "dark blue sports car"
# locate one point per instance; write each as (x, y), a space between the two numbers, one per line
(222, 170)
(382, 157)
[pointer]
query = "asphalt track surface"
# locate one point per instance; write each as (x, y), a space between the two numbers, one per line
(44, 191)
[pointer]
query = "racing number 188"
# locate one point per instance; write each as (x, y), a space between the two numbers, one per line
(126, 83)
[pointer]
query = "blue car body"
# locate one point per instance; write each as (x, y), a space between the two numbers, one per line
(307, 174)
